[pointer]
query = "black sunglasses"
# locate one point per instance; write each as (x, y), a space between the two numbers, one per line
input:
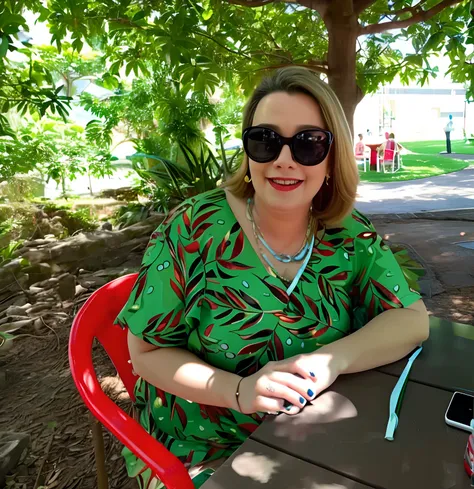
(308, 147)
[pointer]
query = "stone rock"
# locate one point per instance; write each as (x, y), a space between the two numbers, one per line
(67, 287)
(106, 226)
(80, 290)
(12, 446)
(38, 272)
(16, 310)
(13, 326)
(41, 306)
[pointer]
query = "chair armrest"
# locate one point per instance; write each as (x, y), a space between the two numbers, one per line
(164, 464)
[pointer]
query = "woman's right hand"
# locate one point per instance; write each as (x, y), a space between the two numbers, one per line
(269, 388)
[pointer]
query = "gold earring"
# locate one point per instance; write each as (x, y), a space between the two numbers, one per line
(247, 179)
(327, 179)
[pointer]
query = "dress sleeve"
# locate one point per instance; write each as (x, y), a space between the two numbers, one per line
(155, 310)
(379, 283)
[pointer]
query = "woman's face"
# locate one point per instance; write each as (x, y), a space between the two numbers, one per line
(287, 114)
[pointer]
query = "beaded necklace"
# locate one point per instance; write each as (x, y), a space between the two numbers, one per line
(303, 254)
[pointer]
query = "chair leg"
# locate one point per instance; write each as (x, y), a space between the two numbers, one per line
(98, 440)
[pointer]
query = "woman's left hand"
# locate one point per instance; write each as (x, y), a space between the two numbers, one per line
(320, 367)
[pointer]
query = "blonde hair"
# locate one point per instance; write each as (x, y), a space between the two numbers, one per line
(334, 201)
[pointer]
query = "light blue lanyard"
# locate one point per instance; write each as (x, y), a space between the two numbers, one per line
(395, 396)
(301, 269)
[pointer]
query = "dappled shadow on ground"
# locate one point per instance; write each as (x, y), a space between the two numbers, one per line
(41, 399)
(455, 304)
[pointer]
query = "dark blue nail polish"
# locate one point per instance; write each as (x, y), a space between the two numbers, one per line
(302, 400)
(312, 374)
(310, 393)
(288, 407)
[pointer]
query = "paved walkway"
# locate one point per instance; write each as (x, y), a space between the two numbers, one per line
(450, 191)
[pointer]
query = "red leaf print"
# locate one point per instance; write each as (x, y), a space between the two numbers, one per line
(320, 332)
(345, 305)
(312, 305)
(248, 427)
(385, 305)
(385, 292)
(252, 321)
(186, 221)
(182, 416)
(205, 252)
(141, 285)
(164, 322)
(233, 297)
(280, 294)
(181, 257)
(178, 275)
(371, 309)
(325, 252)
(208, 330)
(176, 289)
(176, 320)
(221, 248)
(278, 348)
(294, 300)
(233, 265)
(339, 276)
(202, 218)
(287, 319)
(199, 232)
(367, 235)
(238, 245)
(162, 396)
(213, 305)
(322, 286)
(192, 247)
(246, 350)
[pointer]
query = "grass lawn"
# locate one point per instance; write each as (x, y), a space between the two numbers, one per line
(426, 162)
(435, 147)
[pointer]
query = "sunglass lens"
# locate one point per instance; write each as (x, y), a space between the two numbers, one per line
(311, 147)
(262, 144)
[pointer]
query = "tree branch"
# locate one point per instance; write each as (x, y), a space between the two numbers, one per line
(420, 16)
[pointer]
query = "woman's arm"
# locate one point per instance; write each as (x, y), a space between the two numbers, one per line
(183, 374)
(180, 372)
(385, 339)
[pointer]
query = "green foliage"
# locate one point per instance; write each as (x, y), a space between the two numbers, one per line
(7, 253)
(132, 213)
(201, 172)
(56, 149)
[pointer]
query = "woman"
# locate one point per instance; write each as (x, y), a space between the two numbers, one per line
(252, 297)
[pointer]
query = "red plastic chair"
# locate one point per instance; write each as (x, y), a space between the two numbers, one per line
(95, 320)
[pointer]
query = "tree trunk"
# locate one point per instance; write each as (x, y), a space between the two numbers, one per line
(343, 31)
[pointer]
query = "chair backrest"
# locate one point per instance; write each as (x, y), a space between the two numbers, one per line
(96, 320)
(390, 150)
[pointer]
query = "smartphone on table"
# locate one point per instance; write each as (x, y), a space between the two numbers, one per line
(460, 411)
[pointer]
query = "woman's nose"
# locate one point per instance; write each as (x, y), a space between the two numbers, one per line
(285, 158)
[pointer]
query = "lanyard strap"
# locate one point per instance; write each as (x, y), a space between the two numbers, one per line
(396, 397)
(301, 269)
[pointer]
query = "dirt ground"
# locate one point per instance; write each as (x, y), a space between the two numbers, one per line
(41, 400)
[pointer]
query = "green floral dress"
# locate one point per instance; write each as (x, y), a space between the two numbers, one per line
(203, 287)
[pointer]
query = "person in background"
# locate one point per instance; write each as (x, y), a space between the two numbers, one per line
(360, 147)
(390, 149)
(448, 128)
